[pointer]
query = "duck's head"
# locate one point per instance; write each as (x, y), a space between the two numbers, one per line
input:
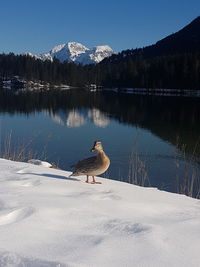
(97, 146)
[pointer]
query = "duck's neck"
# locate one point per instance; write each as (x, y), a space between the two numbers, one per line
(101, 154)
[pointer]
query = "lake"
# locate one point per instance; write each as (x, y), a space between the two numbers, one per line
(151, 140)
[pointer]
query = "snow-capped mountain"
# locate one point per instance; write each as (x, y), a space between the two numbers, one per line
(95, 55)
(78, 53)
(68, 52)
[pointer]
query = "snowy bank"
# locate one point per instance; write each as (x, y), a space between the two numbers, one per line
(48, 219)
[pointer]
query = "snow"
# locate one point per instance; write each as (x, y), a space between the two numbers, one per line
(46, 56)
(95, 55)
(68, 52)
(57, 48)
(78, 53)
(39, 162)
(49, 219)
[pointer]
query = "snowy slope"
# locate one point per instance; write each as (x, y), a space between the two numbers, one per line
(78, 53)
(68, 52)
(48, 219)
(95, 55)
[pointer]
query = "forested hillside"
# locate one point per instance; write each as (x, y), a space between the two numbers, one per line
(173, 62)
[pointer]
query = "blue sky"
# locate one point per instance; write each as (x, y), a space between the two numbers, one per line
(36, 26)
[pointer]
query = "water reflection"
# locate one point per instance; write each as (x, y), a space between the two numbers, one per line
(70, 119)
(167, 117)
(98, 118)
(77, 118)
(165, 129)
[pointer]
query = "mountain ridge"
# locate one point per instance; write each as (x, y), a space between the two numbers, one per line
(77, 53)
(185, 40)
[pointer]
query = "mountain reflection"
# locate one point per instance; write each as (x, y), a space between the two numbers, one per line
(77, 118)
(166, 117)
(70, 119)
(98, 118)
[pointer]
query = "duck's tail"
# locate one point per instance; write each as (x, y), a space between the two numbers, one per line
(72, 174)
(72, 166)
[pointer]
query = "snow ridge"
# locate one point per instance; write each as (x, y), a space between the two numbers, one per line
(76, 52)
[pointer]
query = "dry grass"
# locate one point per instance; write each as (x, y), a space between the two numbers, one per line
(137, 173)
(188, 179)
(22, 151)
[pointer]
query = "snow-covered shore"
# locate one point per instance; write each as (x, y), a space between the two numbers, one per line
(48, 219)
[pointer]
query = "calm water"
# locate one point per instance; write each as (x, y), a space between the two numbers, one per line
(161, 133)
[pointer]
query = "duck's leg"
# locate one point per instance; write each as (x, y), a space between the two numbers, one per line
(87, 179)
(94, 181)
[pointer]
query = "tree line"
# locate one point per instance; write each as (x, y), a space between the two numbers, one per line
(125, 70)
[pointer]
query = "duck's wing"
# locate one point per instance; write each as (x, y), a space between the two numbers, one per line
(86, 165)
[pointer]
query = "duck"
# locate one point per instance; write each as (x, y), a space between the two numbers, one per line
(92, 166)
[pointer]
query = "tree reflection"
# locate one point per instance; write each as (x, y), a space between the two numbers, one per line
(166, 117)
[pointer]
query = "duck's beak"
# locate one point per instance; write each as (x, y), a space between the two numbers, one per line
(92, 150)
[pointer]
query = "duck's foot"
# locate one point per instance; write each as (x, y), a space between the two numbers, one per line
(93, 182)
